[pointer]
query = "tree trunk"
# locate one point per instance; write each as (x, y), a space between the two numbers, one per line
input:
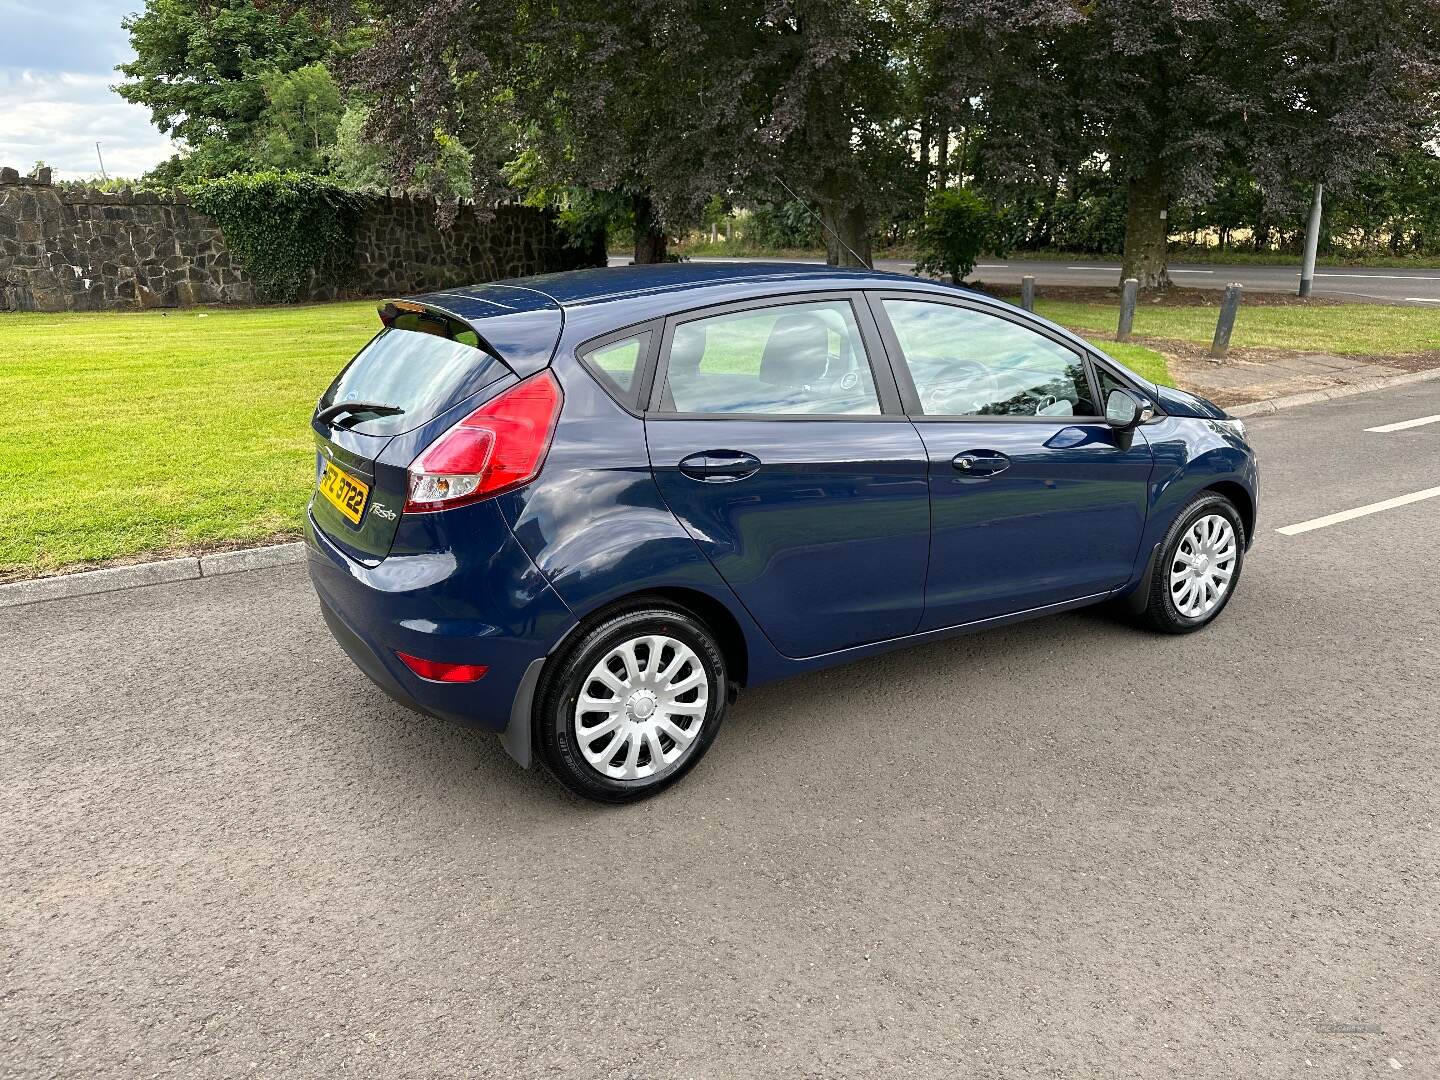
(925, 159)
(942, 156)
(850, 224)
(650, 238)
(1045, 233)
(1260, 235)
(1147, 198)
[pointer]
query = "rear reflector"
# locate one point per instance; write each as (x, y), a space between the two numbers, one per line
(435, 671)
(498, 447)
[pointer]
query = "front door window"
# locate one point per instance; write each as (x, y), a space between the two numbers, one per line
(969, 363)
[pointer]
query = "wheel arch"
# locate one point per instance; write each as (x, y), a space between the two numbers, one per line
(1241, 500)
(729, 635)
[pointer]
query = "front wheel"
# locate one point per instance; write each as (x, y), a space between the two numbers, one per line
(632, 705)
(1198, 566)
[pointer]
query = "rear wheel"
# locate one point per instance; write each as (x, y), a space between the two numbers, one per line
(632, 705)
(1198, 566)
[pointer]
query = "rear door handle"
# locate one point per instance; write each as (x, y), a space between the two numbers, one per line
(980, 462)
(719, 466)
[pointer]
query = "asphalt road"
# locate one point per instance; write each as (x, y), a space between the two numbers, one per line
(1062, 849)
(1359, 284)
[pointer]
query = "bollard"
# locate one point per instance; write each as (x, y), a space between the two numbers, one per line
(1027, 292)
(1229, 306)
(1312, 242)
(1128, 296)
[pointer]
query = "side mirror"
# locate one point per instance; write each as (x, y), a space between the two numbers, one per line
(1125, 410)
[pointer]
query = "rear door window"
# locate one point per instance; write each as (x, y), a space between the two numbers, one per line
(419, 366)
(794, 359)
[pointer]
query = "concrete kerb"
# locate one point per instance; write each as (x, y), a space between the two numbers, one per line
(1314, 397)
(149, 573)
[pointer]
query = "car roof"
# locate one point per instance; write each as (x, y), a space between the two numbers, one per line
(615, 283)
(577, 302)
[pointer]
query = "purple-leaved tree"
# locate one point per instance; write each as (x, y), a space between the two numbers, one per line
(1167, 92)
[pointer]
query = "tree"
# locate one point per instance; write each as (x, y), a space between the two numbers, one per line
(1169, 91)
(659, 104)
(200, 67)
(642, 102)
(297, 129)
(355, 162)
(834, 124)
(957, 226)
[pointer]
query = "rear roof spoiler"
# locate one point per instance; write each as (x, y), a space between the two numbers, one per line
(523, 339)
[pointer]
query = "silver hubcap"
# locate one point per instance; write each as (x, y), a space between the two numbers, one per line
(641, 707)
(1204, 566)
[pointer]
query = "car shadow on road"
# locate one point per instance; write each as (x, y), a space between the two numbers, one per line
(1003, 673)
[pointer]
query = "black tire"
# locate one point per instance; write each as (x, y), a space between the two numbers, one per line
(1160, 611)
(557, 741)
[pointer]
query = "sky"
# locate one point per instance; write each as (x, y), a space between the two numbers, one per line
(57, 64)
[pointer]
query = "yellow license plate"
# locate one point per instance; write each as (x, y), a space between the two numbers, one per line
(347, 493)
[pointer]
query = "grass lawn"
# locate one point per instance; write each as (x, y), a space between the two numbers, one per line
(1147, 363)
(153, 432)
(1342, 328)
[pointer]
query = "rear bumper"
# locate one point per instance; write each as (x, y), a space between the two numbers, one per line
(498, 611)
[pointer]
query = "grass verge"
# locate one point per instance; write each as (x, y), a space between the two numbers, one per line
(1356, 329)
(159, 432)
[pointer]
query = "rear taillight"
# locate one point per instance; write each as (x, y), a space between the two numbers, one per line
(498, 447)
(438, 671)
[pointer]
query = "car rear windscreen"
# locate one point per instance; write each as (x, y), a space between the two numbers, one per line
(419, 366)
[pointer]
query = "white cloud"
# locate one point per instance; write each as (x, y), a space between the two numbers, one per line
(58, 118)
(55, 96)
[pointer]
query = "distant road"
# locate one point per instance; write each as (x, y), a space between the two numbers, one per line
(1378, 285)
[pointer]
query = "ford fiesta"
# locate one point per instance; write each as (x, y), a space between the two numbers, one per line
(583, 510)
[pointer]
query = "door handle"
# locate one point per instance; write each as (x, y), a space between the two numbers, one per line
(980, 462)
(719, 466)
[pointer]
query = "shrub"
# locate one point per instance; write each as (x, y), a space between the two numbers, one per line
(284, 227)
(956, 228)
(779, 226)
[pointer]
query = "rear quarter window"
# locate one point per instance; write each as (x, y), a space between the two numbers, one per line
(617, 365)
(421, 365)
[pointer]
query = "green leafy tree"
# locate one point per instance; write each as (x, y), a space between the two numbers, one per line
(354, 161)
(956, 228)
(303, 109)
(662, 105)
(789, 224)
(201, 68)
(642, 103)
(834, 125)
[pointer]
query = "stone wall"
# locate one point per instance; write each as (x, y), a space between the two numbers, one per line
(400, 250)
(78, 249)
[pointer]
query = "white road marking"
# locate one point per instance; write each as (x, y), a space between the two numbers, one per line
(1192, 271)
(1422, 299)
(1359, 511)
(1382, 277)
(991, 266)
(1403, 424)
(1112, 269)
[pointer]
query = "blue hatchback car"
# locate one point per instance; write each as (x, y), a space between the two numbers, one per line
(582, 510)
